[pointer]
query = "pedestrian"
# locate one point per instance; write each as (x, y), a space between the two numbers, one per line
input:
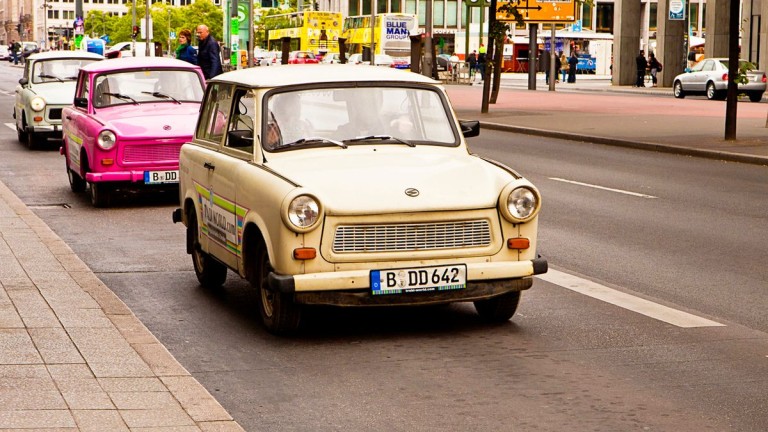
(185, 51)
(642, 65)
(655, 66)
(208, 53)
(556, 72)
(15, 51)
(453, 66)
(472, 61)
(573, 64)
(481, 61)
(563, 65)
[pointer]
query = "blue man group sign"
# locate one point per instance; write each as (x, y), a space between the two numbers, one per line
(676, 10)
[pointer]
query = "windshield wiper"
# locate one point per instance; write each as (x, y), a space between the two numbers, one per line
(121, 96)
(51, 77)
(381, 137)
(310, 140)
(162, 96)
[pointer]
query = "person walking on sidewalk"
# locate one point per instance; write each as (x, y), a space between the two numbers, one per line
(573, 64)
(655, 66)
(15, 51)
(208, 53)
(481, 61)
(472, 61)
(563, 65)
(642, 65)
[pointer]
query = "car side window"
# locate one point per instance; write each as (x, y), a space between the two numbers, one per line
(240, 130)
(216, 113)
(708, 66)
(82, 88)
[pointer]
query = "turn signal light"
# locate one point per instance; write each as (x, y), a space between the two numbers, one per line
(518, 243)
(107, 162)
(37, 118)
(304, 253)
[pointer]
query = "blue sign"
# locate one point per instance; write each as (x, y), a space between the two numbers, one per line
(676, 10)
(576, 27)
(586, 63)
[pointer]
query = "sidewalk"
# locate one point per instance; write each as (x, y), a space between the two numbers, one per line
(73, 357)
(593, 110)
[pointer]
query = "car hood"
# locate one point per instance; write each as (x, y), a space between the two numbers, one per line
(56, 93)
(375, 179)
(150, 120)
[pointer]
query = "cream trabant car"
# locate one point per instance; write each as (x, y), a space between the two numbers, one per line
(324, 184)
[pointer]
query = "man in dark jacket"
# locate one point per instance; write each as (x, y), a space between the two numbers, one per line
(642, 65)
(208, 53)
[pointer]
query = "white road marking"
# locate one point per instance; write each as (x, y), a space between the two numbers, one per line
(12, 126)
(626, 301)
(603, 188)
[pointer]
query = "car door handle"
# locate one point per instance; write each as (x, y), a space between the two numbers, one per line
(209, 165)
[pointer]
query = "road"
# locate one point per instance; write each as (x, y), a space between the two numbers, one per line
(684, 234)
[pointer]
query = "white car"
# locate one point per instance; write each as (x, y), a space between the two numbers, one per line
(5, 54)
(46, 87)
(326, 185)
(378, 59)
(710, 77)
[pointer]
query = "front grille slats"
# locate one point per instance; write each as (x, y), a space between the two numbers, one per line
(411, 237)
(141, 153)
(54, 114)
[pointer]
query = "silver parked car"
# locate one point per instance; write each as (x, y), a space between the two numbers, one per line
(710, 77)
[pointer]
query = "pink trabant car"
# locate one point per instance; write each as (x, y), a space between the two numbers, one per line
(129, 120)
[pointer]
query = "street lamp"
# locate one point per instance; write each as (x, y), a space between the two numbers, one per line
(45, 6)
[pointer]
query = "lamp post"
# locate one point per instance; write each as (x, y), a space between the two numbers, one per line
(169, 32)
(45, 6)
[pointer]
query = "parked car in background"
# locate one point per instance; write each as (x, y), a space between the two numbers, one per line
(331, 58)
(710, 77)
(5, 53)
(379, 59)
(302, 57)
(129, 119)
(47, 85)
(125, 49)
(271, 58)
(443, 62)
(27, 49)
(293, 182)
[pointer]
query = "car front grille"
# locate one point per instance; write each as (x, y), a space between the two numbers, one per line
(411, 237)
(54, 114)
(141, 153)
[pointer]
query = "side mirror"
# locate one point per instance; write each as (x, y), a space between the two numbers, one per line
(470, 128)
(23, 81)
(81, 103)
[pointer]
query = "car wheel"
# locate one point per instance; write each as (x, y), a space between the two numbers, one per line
(712, 93)
(498, 309)
(210, 273)
(100, 194)
(279, 313)
(76, 183)
(33, 141)
(756, 96)
(678, 90)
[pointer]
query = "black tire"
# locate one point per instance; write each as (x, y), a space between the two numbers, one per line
(279, 313)
(756, 96)
(100, 194)
(76, 183)
(498, 309)
(22, 133)
(712, 92)
(33, 141)
(210, 273)
(677, 90)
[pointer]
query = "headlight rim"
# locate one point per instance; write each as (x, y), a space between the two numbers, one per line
(504, 202)
(41, 102)
(286, 213)
(100, 141)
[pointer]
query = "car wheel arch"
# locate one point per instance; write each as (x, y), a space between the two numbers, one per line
(253, 242)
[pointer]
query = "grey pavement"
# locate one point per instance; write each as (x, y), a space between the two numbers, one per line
(594, 110)
(73, 357)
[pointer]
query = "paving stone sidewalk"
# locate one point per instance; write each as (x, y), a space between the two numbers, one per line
(73, 357)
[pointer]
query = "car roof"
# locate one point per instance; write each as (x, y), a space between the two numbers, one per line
(316, 74)
(64, 54)
(137, 62)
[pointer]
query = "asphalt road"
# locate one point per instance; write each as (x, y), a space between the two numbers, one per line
(681, 232)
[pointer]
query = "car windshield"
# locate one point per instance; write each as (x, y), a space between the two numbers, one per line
(57, 70)
(357, 115)
(133, 87)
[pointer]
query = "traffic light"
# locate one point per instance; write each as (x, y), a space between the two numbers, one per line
(135, 32)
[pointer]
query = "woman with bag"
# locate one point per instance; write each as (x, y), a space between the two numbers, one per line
(655, 67)
(185, 51)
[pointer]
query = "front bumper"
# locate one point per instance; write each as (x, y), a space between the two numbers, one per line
(129, 176)
(484, 280)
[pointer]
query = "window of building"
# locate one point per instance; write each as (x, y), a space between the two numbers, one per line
(438, 13)
(410, 6)
(652, 21)
(586, 16)
(604, 13)
(451, 13)
(396, 6)
(422, 13)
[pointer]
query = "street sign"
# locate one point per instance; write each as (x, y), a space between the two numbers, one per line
(676, 10)
(540, 11)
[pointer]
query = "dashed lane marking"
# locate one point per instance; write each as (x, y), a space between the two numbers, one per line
(11, 126)
(627, 301)
(603, 188)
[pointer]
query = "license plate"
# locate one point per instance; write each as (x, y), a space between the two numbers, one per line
(154, 177)
(419, 279)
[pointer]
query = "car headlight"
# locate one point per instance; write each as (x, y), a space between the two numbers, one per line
(37, 103)
(520, 204)
(106, 139)
(303, 212)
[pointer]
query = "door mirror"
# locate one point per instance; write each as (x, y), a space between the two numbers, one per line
(470, 128)
(81, 103)
(24, 81)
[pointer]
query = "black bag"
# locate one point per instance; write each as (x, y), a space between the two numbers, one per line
(659, 68)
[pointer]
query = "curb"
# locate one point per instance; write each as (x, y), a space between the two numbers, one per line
(663, 148)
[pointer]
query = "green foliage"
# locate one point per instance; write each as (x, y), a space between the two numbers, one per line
(744, 67)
